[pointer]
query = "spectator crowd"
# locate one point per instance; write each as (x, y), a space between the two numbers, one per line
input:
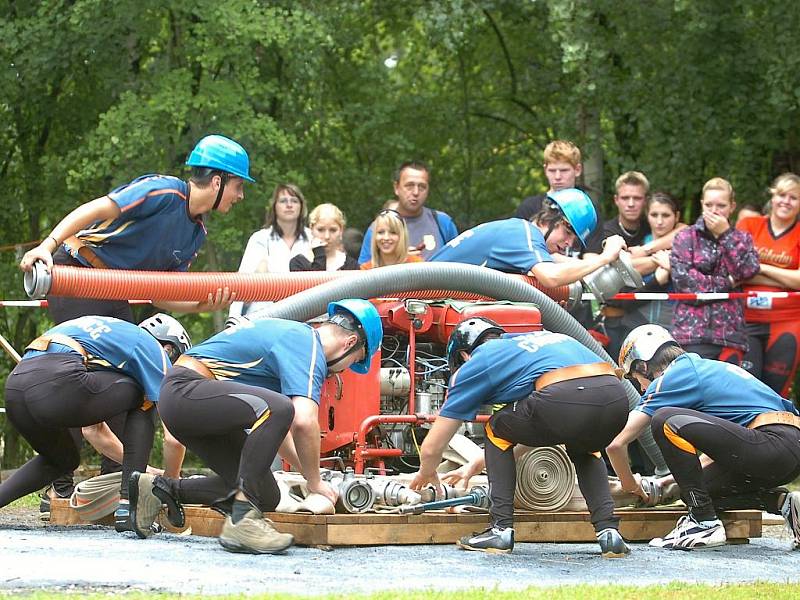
(724, 250)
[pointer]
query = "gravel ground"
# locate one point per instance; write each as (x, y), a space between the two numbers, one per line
(82, 559)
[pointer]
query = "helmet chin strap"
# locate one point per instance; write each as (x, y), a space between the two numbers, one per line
(550, 229)
(223, 179)
(353, 348)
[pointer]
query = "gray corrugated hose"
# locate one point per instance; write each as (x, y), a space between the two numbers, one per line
(545, 479)
(457, 277)
(97, 497)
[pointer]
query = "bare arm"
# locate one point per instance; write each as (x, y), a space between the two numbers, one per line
(430, 455)
(106, 443)
(221, 300)
(460, 477)
(174, 452)
(305, 432)
(789, 278)
(662, 243)
(98, 209)
(552, 274)
(103, 440)
(617, 450)
(288, 452)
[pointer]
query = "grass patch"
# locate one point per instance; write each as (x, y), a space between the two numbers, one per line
(677, 591)
(29, 501)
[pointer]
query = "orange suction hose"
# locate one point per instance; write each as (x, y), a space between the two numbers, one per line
(112, 284)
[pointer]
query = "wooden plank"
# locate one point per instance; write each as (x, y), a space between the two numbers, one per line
(437, 527)
(62, 514)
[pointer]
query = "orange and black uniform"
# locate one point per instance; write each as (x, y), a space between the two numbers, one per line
(773, 326)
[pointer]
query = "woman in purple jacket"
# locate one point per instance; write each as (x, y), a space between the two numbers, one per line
(712, 256)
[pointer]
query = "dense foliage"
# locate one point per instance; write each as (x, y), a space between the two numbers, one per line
(333, 95)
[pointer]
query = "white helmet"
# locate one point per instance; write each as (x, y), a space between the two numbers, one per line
(642, 344)
(168, 330)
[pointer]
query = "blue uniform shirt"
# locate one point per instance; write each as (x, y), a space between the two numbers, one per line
(154, 232)
(117, 346)
(510, 245)
(279, 355)
(712, 387)
(505, 370)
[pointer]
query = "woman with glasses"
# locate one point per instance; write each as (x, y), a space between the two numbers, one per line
(283, 237)
(390, 241)
(327, 226)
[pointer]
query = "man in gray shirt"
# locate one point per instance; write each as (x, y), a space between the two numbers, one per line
(428, 229)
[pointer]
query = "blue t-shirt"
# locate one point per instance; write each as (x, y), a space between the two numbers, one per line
(283, 356)
(510, 245)
(505, 370)
(154, 232)
(712, 387)
(114, 345)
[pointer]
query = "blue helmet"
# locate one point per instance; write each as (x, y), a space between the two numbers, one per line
(367, 325)
(219, 152)
(578, 209)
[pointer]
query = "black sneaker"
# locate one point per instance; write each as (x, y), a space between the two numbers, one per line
(494, 540)
(611, 543)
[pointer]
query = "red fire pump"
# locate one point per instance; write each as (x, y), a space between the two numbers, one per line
(379, 419)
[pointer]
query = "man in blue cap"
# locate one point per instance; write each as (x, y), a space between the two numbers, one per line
(153, 223)
(537, 247)
(233, 399)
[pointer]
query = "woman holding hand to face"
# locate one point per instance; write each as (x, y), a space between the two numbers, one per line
(327, 225)
(390, 242)
(712, 256)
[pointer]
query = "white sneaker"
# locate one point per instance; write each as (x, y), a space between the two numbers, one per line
(791, 512)
(690, 534)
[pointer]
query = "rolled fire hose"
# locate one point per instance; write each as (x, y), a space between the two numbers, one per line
(97, 497)
(113, 284)
(545, 479)
(389, 280)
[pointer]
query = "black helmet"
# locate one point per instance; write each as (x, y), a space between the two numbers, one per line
(168, 330)
(468, 335)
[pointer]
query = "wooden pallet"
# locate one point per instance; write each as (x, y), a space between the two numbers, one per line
(444, 528)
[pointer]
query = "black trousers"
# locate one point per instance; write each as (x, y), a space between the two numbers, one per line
(235, 428)
(748, 463)
(49, 394)
(584, 415)
(64, 308)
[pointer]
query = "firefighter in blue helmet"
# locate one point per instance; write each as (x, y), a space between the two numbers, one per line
(537, 247)
(154, 223)
(547, 389)
(233, 399)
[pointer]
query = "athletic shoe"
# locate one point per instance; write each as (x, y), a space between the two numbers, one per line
(791, 513)
(611, 544)
(122, 518)
(144, 504)
(44, 500)
(253, 534)
(690, 534)
(163, 492)
(494, 540)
